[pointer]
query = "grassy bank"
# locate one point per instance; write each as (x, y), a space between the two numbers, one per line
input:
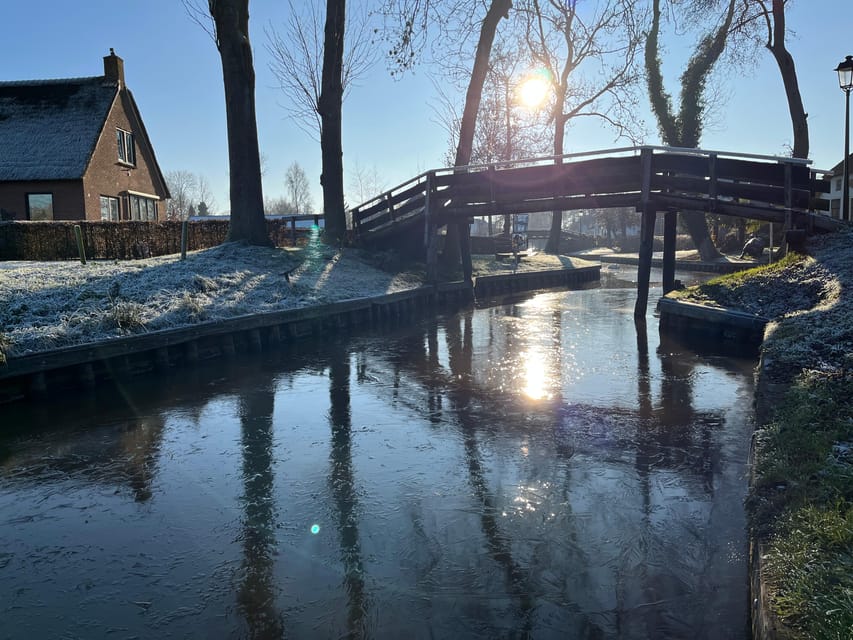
(49, 305)
(801, 502)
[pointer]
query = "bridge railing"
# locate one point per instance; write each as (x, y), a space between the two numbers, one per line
(607, 177)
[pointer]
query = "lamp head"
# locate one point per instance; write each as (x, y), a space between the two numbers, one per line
(845, 74)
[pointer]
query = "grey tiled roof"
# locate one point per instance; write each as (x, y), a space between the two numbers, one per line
(49, 128)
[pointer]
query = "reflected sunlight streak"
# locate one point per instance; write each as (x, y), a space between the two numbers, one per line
(535, 379)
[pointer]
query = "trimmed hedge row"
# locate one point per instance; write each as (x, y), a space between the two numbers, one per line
(21, 240)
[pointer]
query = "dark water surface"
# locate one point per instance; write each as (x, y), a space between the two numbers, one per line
(526, 470)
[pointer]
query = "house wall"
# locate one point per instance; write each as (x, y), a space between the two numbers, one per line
(106, 176)
(67, 198)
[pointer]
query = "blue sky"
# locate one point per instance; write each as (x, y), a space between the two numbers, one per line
(173, 69)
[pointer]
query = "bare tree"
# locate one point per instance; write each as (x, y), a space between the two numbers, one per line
(182, 185)
(316, 75)
(364, 182)
(298, 188)
(297, 57)
(769, 16)
(204, 194)
(410, 21)
(227, 21)
(588, 53)
(506, 130)
(278, 206)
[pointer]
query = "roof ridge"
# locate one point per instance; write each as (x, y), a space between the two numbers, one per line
(80, 80)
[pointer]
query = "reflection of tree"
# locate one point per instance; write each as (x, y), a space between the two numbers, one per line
(256, 594)
(460, 353)
(342, 485)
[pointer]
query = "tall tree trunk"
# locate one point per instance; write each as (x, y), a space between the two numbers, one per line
(556, 232)
(497, 9)
(231, 19)
(785, 62)
(685, 130)
(329, 107)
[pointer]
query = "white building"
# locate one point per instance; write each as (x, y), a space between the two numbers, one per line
(836, 183)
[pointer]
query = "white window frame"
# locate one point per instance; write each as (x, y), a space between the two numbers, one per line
(113, 206)
(142, 206)
(126, 147)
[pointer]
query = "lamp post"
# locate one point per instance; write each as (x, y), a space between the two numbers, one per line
(845, 81)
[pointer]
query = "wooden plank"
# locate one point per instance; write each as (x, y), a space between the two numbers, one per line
(725, 189)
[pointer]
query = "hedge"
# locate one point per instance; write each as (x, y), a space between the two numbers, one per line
(24, 240)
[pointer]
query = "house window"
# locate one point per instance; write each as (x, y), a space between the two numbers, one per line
(142, 207)
(109, 208)
(40, 206)
(126, 147)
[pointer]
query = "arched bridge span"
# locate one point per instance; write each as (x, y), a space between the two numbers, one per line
(650, 179)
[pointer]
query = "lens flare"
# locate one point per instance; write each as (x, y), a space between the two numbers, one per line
(315, 529)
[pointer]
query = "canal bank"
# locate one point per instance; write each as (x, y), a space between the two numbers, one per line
(801, 480)
(133, 350)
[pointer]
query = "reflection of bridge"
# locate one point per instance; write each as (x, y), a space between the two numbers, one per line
(650, 179)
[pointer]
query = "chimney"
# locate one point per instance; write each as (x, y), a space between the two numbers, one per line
(114, 68)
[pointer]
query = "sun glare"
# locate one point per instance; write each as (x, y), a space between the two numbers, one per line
(533, 91)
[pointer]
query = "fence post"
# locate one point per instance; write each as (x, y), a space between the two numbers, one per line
(184, 234)
(81, 250)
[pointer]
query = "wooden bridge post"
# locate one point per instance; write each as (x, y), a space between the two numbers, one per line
(647, 238)
(670, 229)
(465, 252)
(430, 230)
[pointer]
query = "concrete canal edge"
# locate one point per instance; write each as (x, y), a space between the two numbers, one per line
(35, 376)
(713, 324)
(681, 265)
(738, 328)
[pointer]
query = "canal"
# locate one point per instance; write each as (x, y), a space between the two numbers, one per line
(533, 468)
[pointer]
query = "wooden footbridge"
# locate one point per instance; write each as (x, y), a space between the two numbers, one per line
(650, 179)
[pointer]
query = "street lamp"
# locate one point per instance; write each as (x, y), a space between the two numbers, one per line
(845, 81)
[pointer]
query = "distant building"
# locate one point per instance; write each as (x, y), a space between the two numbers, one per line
(76, 149)
(836, 181)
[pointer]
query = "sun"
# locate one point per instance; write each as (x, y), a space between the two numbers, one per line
(533, 91)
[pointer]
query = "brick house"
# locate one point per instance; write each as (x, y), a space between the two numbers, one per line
(76, 149)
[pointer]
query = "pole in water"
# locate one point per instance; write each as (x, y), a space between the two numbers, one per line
(81, 250)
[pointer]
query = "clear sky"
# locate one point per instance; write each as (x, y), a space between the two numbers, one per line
(173, 69)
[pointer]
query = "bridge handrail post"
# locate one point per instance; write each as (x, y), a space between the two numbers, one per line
(430, 229)
(646, 161)
(389, 202)
(712, 176)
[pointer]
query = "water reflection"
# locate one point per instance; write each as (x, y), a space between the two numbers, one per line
(342, 485)
(257, 592)
(534, 469)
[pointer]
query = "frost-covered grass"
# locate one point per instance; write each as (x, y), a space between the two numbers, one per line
(801, 503)
(49, 305)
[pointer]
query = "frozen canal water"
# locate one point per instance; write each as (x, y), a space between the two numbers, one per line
(531, 469)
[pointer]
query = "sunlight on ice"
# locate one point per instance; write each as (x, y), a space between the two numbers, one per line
(535, 380)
